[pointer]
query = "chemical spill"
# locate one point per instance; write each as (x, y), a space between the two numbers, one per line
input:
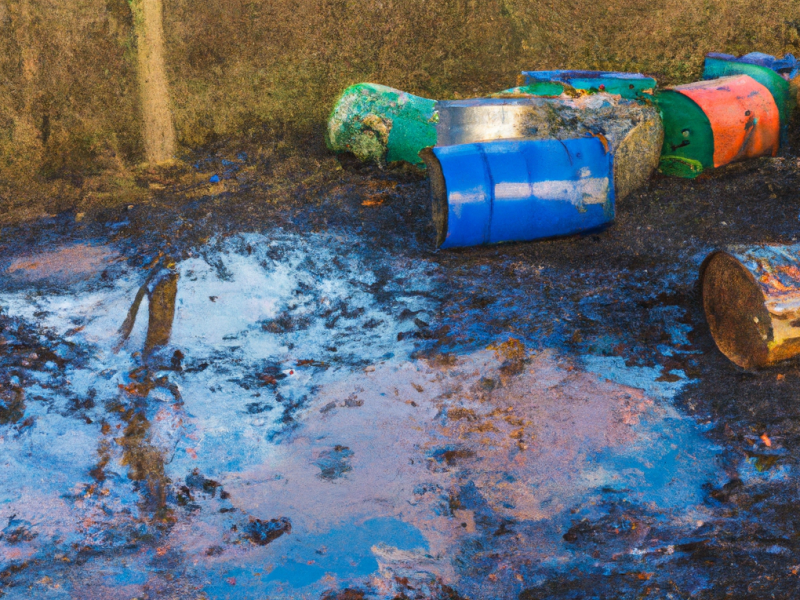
(313, 408)
(287, 394)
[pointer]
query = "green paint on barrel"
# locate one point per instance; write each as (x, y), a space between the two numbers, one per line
(688, 147)
(628, 85)
(381, 124)
(677, 166)
(627, 88)
(782, 91)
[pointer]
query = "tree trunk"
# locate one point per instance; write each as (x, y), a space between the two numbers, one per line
(26, 137)
(159, 131)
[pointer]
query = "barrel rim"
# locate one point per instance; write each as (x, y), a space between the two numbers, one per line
(749, 363)
(439, 205)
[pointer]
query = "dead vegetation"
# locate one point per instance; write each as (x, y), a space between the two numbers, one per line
(70, 112)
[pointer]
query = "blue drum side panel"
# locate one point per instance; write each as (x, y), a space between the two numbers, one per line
(505, 191)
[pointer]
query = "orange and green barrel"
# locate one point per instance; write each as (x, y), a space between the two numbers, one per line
(782, 89)
(709, 124)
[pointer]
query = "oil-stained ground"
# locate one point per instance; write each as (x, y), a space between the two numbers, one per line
(212, 394)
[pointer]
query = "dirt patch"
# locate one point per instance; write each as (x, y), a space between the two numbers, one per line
(63, 265)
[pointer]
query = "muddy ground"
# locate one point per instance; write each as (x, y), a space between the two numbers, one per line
(343, 412)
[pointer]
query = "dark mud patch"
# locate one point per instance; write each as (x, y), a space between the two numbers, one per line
(335, 463)
(17, 531)
(263, 532)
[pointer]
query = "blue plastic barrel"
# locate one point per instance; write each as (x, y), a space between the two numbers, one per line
(519, 190)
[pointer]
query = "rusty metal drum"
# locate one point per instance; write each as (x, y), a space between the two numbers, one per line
(627, 85)
(630, 130)
(751, 298)
(709, 124)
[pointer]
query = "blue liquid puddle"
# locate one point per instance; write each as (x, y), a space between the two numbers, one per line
(343, 553)
(671, 459)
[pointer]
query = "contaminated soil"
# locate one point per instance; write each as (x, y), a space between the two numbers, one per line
(341, 411)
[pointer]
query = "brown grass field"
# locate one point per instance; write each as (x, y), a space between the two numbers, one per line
(70, 115)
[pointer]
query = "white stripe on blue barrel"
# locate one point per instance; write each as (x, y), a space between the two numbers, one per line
(520, 190)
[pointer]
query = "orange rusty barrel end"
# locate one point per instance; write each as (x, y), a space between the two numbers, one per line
(735, 311)
(751, 298)
(743, 116)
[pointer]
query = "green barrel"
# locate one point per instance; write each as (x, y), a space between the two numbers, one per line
(782, 91)
(627, 85)
(688, 147)
(381, 124)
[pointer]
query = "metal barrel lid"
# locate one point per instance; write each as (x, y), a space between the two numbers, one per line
(688, 147)
(751, 298)
(519, 190)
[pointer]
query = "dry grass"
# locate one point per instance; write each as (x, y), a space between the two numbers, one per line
(69, 106)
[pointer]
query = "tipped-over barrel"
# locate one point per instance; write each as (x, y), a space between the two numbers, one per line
(627, 85)
(381, 124)
(631, 130)
(783, 90)
(787, 67)
(519, 190)
(709, 124)
(751, 297)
